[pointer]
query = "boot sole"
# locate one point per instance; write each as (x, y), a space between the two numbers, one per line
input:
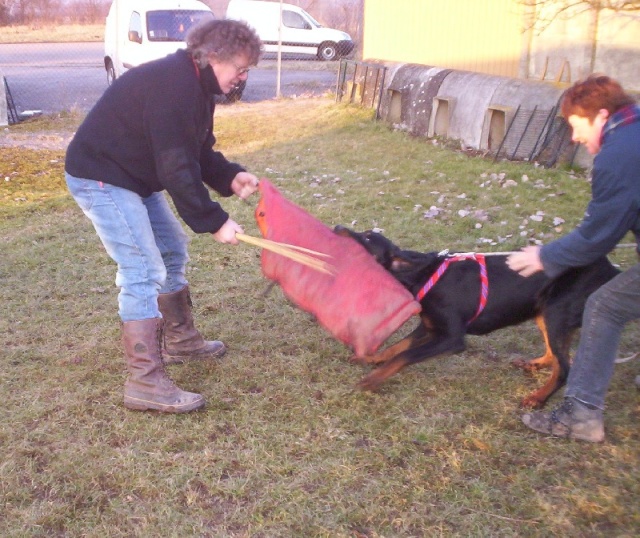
(181, 359)
(139, 404)
(595, 438)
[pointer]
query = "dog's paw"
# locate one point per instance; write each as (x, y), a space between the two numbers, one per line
(532, 402)
(527, 366)
(366, 360)
(358, 360)
(370, 382)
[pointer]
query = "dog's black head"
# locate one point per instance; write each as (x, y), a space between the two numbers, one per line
(376, 244)
(406, 265)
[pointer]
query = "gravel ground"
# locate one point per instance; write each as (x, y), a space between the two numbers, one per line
(50, 140)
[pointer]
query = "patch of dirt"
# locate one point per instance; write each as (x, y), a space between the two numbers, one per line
(35, 140)
(58, 140)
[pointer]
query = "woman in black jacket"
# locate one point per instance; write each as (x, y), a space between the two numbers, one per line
(151, 131)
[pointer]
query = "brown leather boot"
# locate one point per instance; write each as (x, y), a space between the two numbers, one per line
(182, 341)
(571, 418)
(148, 386)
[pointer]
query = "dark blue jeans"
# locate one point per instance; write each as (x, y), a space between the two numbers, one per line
(606, 313)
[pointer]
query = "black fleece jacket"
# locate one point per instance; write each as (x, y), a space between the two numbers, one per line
(153, 130)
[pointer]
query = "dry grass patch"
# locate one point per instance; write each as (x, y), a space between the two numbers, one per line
(51, 33)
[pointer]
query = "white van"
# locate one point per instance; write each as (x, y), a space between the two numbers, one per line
(301, 33)
(138, 31)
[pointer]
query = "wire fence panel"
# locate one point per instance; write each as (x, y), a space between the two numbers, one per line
(53, 77)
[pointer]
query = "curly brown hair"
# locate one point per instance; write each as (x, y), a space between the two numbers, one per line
(586, 98)
(223, 39)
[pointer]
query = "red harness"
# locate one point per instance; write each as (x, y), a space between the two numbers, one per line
(484, 280)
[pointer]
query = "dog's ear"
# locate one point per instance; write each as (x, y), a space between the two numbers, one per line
(399, 263)
(406, 261)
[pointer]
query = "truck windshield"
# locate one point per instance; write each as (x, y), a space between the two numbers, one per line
(173, 25)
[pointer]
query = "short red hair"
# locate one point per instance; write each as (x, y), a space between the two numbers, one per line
(586, 98)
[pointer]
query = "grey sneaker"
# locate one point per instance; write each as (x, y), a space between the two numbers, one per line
(571, 419)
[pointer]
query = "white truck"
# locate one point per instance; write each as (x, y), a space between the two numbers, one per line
(138, 31)
(299, 33)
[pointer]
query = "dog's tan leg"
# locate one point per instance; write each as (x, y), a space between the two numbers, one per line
(538, 397)
(386, 354)
(548, 360)
(557, 378)
(382, 373)
(417, 337)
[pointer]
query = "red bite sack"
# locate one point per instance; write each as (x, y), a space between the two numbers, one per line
(360, 304)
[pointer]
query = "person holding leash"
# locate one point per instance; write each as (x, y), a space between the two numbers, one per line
(607, 121)
(152, 131)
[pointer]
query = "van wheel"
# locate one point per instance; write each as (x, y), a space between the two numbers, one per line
(328, 51)
(111, 72)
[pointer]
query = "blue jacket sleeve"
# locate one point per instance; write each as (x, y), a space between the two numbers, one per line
(612, 212)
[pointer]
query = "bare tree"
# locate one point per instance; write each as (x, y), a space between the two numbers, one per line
(543, 12)
(87, 11)
(5, 12)
(48, 11)
(346, 15)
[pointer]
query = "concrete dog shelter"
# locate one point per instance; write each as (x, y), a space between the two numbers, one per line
(484, 112)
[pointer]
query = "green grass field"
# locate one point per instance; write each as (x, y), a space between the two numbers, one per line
(286, 446)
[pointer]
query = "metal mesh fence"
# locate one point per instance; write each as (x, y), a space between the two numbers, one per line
(51, 73)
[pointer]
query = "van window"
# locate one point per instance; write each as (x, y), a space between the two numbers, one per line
(291, 19)
(135, 27)
(173, 25)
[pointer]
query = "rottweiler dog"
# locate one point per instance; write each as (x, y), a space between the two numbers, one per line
(474, 294)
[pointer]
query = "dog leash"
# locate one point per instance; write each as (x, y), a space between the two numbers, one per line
(509, 252)
(484, 279)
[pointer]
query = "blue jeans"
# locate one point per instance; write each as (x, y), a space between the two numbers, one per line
(606, 313)
(143, 237)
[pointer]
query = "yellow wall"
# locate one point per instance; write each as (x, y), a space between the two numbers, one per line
(476, 35)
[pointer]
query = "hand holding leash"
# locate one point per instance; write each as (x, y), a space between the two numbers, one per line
(526, 262)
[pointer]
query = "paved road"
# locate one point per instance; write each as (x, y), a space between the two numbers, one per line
(53, 77)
